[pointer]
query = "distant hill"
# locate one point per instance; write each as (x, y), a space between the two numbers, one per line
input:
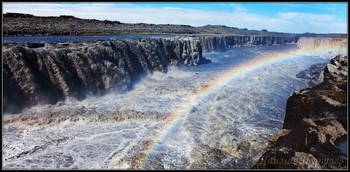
(18, 24)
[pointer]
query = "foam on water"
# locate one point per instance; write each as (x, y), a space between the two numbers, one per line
(227, 128)
(272, 64)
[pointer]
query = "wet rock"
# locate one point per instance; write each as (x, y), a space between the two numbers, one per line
(316, 151)
(225, 42)
(213, 157)
(316, 119)
(336, 73)
(48, 75)
(327, 99)
(314, 74)
(323, 44)
(35, 45)
(287, 160)
(310, 103)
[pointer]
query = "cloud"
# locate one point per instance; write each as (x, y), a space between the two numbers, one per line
(292, 22)
(321, 23)
(173, 8)
(238, 8)
(306, 16)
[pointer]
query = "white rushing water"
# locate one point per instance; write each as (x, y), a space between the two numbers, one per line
(227, 129)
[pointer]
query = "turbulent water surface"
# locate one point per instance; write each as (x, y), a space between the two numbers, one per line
(143, 128)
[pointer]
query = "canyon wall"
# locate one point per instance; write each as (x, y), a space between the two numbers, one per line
(315, 125)
(46, 73)
(225, 42)
(39, 73)
(322, 44)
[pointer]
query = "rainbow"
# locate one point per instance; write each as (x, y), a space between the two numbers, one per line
(213, 86)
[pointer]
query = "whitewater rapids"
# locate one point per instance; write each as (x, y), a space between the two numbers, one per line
(229, 128)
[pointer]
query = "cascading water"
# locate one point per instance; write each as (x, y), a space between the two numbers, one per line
(216, 115)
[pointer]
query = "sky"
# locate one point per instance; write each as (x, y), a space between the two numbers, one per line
(291, 17)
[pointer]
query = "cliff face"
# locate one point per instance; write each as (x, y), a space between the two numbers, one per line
(322, 44)
(316, 120)
(47, 73)
(225, 42)
(327, 99)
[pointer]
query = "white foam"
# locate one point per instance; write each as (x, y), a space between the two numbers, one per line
(247, 109)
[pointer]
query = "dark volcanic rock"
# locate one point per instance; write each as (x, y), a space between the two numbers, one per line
(224, 42)
(34, 45)
(314, 74)
(47, 73)
(313, 140)
(327, 99)
(316, 118)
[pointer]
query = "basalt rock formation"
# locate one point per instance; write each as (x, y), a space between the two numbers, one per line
(225, 42)
(322, 43)
(324, 46)
(327, 99)
(46, 73)
(314, 74)
(316, 119)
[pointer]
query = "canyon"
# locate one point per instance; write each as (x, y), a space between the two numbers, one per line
(315, 124)
(194, 100)
(40, 73)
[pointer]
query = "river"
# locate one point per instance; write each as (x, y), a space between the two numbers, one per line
(212, 116)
